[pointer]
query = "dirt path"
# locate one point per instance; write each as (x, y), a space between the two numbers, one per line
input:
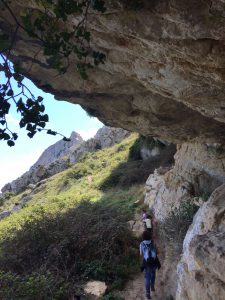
(135, 289)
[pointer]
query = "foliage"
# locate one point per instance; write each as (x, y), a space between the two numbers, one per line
(111, 296)
(35, 286)
(6, 197)
(205, 196)
(135, 170)
(175, 226)
(73, 232)
(142, 141)
(128, 173)
(45, 22)
(89, 241)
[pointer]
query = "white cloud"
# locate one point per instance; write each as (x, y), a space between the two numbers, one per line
(87, 134)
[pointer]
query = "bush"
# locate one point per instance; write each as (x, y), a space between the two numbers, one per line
(142, 141)
(111, 296)
(175, 226)
(6, 197)
(90, 241)
(130, 173)
(35, 286)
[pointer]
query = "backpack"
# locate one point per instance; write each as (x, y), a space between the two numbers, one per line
(151, 260)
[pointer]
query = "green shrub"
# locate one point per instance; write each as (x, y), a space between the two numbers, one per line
(6, 197)
(142, 141)
(35, 286)
(111, 296)
(90, 241)
(175, 226)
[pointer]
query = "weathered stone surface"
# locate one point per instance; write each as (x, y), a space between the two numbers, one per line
(162, 199)
(200, 164)
(201, 270)
(50, 162)
(163, 76)
(58, 150)
(109, 136)
(95, 289)
(198, 170)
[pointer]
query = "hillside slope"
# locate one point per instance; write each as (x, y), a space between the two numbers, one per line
(62, 234)
(62, 154)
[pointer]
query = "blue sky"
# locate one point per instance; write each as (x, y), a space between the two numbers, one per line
(64, 117)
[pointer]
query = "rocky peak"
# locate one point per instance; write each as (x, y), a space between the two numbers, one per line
(59, 149)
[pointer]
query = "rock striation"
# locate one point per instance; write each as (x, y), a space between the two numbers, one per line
(61, 155)
(163, 77)
(59, 150)
(198, 172)
(201, 270)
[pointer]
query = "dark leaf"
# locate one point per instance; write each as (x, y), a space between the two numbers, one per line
(15, 136)
(51, 132)
(10, 143)
(10, 92)
(6, 136)
(44, 118)
(66, 139)
(41, 124)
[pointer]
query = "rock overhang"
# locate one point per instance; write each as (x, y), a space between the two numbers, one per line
(164, 73)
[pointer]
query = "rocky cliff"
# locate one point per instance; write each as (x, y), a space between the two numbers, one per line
(163, 77)
(58, 150)
(174, 196)
(60, 155)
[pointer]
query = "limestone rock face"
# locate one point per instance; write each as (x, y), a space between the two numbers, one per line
(201, 270)
(197, 172)
(162, 199)
(164, 72)
(58, 150)
(50, 162)
(109, 136)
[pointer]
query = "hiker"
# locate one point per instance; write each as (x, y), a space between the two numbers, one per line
(144, 214)
(150, 262)
(148, 223)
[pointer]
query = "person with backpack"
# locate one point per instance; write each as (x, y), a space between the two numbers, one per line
(144, 215)
(150, 262)
(148, 223)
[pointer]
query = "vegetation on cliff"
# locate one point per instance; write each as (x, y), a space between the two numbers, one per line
(73, 229)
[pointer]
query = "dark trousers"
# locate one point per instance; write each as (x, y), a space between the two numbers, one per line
(149, 278)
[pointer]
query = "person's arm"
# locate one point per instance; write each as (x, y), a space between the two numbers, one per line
(140, 251)
(141, 259)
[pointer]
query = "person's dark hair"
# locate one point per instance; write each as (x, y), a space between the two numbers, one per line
(144, 210)
(148, 216)
(146, 235)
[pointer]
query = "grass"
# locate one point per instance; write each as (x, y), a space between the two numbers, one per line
(70, 218)
(84, 181)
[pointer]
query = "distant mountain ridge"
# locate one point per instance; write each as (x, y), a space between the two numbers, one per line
(59, 149)
(61, 155)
